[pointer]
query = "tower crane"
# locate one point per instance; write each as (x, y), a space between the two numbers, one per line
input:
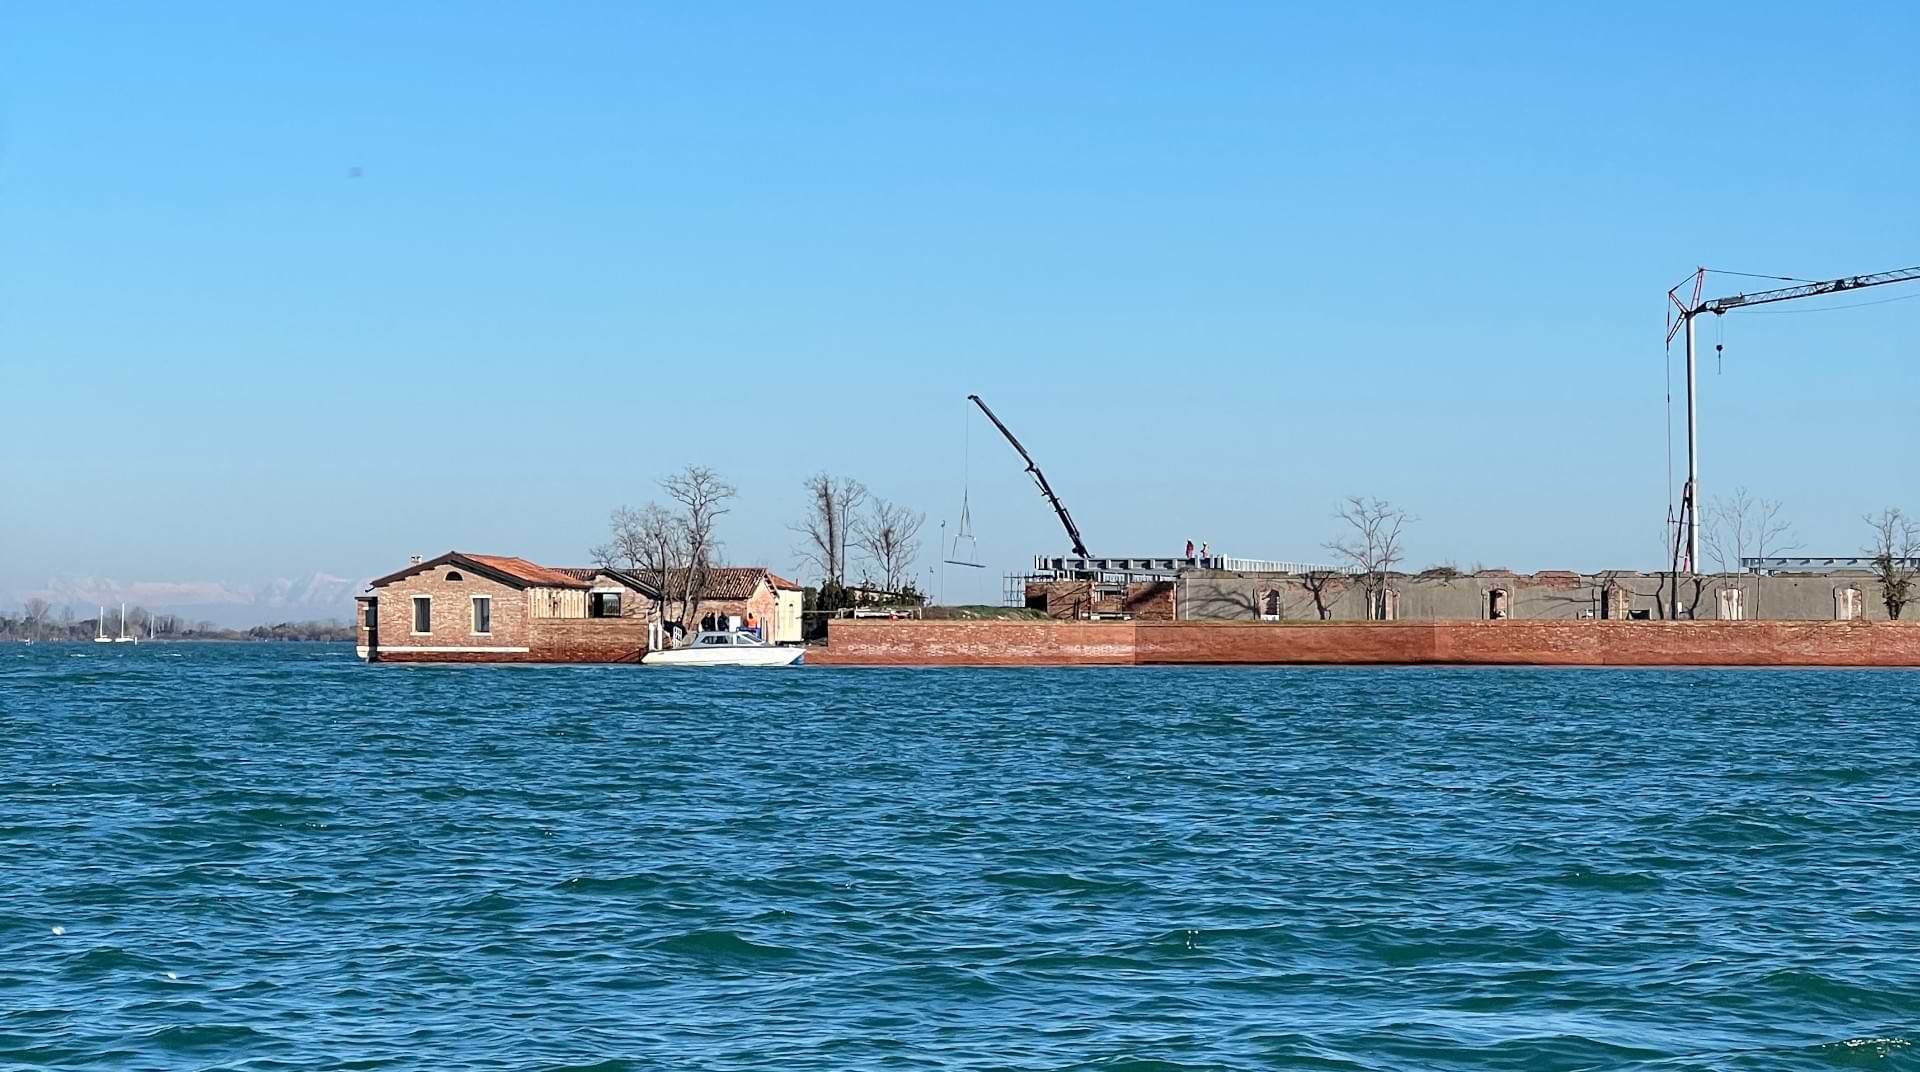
(1681, 317)
(1046, 489)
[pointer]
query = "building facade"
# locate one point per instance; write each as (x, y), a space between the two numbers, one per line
(462, 607)
(1493, 595)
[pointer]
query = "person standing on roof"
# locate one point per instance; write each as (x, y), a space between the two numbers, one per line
(1189, 548)
(1203, 550)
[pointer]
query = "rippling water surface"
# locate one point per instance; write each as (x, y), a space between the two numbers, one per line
(273, 857)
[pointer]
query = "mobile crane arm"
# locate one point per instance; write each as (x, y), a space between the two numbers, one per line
(1046, 489)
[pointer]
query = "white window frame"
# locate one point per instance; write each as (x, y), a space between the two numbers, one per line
(473, 622)
(413, 623)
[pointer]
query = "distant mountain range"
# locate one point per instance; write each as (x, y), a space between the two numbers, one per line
(316, 597)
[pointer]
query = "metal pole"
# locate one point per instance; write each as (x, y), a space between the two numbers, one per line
(1693, 464)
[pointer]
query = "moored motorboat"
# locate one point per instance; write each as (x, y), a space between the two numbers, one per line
(715, 648)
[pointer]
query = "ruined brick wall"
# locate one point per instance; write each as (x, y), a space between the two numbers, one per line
(1149, 601)
(452, 612)
(1532, 643)
(1064, 600)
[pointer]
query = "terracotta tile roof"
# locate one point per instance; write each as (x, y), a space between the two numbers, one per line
(734, 582)
(504, 568)
(781, 582)
(525, 571)
(586, 574)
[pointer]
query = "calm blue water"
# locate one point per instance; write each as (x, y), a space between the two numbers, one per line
(270, 857)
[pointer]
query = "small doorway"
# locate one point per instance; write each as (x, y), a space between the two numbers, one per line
(1269, 605)
(1846, 604)
(1497, 605)
(1730, 605)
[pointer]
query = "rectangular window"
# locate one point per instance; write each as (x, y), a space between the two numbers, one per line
(482, 615)
(423, 614)
(603, 605)
(373, 615)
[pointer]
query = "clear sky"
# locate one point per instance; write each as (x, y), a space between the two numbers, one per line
(1217, 265)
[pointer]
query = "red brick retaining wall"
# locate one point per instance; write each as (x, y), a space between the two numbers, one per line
(1536, 643)
(875, 642)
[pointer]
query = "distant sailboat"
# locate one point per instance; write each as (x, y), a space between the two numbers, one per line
(123, 638)
(100, 628)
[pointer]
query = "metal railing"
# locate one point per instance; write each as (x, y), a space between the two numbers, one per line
(1819, 564)
(1262, 565)
(1169, 566)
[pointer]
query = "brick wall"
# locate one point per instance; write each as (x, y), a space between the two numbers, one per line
(1538, 643)
(876, 642)
(1069, 599)
(1061, 599)
(452, 612)
(1150, 601)
(589, 640)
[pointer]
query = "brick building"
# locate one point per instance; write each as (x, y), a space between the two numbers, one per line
(462, 607)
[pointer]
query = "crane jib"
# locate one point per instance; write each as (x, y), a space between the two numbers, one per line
(1039, 478)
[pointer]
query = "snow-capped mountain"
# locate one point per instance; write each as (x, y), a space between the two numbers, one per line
(315, 597)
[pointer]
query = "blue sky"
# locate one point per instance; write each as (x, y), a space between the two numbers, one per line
(1217, 266)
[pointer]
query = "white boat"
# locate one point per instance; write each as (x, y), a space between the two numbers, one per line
(100, 628)
(725, 649)
(123, 638)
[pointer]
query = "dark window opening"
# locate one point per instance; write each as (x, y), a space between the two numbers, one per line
(373, 615)
(423, 614)
(454, 575)
(1497, 604)
(603, 605)
(483, 614)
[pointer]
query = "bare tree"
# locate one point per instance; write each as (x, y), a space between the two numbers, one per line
(703, 497)
(832, 505)
(890, 535)
(1741, 527)
(1896, 545)
(1372, 547)
(649, 543)
(1324, 586)
(672, 550)
(36, 614)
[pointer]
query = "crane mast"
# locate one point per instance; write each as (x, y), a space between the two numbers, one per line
(1046, 489)
(1680, 318)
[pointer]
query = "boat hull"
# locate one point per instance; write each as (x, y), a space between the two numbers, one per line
(724, 657)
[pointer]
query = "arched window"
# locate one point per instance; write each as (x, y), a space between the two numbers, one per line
(454, 575)
(1269, 604)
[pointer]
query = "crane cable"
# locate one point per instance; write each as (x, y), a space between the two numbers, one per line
(1670, 535)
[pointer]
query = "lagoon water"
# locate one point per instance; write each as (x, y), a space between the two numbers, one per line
(273, 857)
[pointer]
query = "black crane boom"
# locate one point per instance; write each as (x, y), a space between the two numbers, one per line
(1073, 531)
